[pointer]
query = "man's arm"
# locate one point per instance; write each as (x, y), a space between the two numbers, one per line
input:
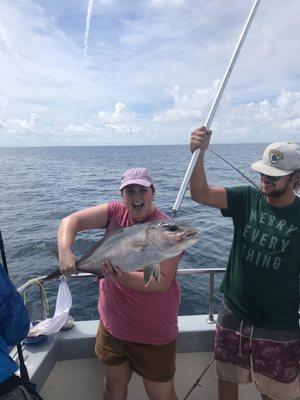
(201, 192)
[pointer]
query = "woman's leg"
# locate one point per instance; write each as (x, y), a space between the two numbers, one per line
(160, 390)
(116, 379)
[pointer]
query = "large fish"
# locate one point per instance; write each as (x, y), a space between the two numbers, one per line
(138, 247)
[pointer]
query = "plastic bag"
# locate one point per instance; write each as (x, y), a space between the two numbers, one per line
(52, 325)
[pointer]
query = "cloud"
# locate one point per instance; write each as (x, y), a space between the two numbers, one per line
(151, 74)
(262, 121)
(20, 128)
(120, 121)
(87, 28)
(189, 107)
(167, 3)
(7, 42)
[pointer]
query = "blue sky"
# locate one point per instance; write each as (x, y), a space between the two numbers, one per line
(115, 72)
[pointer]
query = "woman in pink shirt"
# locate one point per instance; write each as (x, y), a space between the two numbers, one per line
(138, 323)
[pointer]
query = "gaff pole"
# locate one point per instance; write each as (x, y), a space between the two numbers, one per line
(214, 107)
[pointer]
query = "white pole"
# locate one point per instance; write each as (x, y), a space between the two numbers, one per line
(214, 107)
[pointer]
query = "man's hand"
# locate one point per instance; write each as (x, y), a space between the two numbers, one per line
(200, 139)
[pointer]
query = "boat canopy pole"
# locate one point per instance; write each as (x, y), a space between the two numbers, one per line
(214, 107)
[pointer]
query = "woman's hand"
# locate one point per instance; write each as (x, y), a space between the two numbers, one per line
(67, 263)
(114, 274)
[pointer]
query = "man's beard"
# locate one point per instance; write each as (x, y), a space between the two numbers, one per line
(277, 193)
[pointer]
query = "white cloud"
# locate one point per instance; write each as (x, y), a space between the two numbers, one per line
(87, 27)
(138, 52)
(189, 107)
(120, 121)
(252, 122)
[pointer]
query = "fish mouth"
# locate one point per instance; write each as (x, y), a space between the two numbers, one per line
(190, 233)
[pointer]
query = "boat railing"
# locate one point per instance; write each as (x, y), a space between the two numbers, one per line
(40, 281)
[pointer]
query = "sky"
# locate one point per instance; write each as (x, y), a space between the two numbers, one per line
(115, 72)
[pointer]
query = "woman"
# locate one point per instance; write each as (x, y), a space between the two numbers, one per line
(138, 323)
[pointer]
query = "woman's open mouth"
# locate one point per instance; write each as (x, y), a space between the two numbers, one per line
(138, 206)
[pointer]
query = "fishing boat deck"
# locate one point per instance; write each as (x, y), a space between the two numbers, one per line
(65, 367)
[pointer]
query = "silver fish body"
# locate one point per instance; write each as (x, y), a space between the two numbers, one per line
(139, 247)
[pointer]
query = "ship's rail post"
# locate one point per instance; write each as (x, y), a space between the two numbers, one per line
(210, 319)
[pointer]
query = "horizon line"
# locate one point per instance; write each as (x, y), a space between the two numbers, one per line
(122, 145)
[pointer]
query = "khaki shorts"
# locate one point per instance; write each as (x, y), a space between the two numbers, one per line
(270, 358)
(152, 362)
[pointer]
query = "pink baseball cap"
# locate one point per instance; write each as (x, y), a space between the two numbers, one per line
(136, 176)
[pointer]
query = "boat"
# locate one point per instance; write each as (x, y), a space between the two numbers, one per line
(64, 366)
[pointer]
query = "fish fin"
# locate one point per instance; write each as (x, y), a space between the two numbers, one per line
(112, 230)
(156, 273)
(148, 273)
(91, 250)
(139, 245)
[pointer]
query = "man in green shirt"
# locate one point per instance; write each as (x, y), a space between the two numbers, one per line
(257, 333)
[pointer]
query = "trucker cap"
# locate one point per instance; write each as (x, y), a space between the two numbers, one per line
(279, 159)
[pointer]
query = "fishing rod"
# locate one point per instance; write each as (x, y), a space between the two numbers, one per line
(197, 383)
(3, 253)
(214, 107)
(232, 166)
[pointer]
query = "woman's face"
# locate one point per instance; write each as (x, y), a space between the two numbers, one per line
(138, 200)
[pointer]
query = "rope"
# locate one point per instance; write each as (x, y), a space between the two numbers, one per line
(42, 289)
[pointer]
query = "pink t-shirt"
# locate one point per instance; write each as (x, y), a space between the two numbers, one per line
(132, 315)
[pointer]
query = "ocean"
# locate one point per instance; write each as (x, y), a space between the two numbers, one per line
(39, 186)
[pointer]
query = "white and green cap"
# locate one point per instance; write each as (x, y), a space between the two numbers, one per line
(279, 159)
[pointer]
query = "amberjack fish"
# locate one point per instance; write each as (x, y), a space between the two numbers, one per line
(138, 247)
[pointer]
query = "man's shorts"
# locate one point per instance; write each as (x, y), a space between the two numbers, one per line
(152, 362)
(270, 358)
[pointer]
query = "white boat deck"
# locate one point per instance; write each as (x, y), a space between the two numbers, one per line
(65, 367)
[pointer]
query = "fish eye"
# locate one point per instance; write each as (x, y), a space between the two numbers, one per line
(172, 228)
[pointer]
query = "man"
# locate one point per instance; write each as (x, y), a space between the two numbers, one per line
(14, 325)
(257, 333)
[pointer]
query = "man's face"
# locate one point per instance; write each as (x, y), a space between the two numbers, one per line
(275, 186)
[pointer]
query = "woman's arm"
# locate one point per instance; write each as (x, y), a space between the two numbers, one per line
(135, 279)
(90, 218)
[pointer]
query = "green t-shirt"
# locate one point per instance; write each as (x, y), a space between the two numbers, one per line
(261, 283)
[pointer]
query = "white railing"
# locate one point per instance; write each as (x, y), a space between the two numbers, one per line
(193, 271)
